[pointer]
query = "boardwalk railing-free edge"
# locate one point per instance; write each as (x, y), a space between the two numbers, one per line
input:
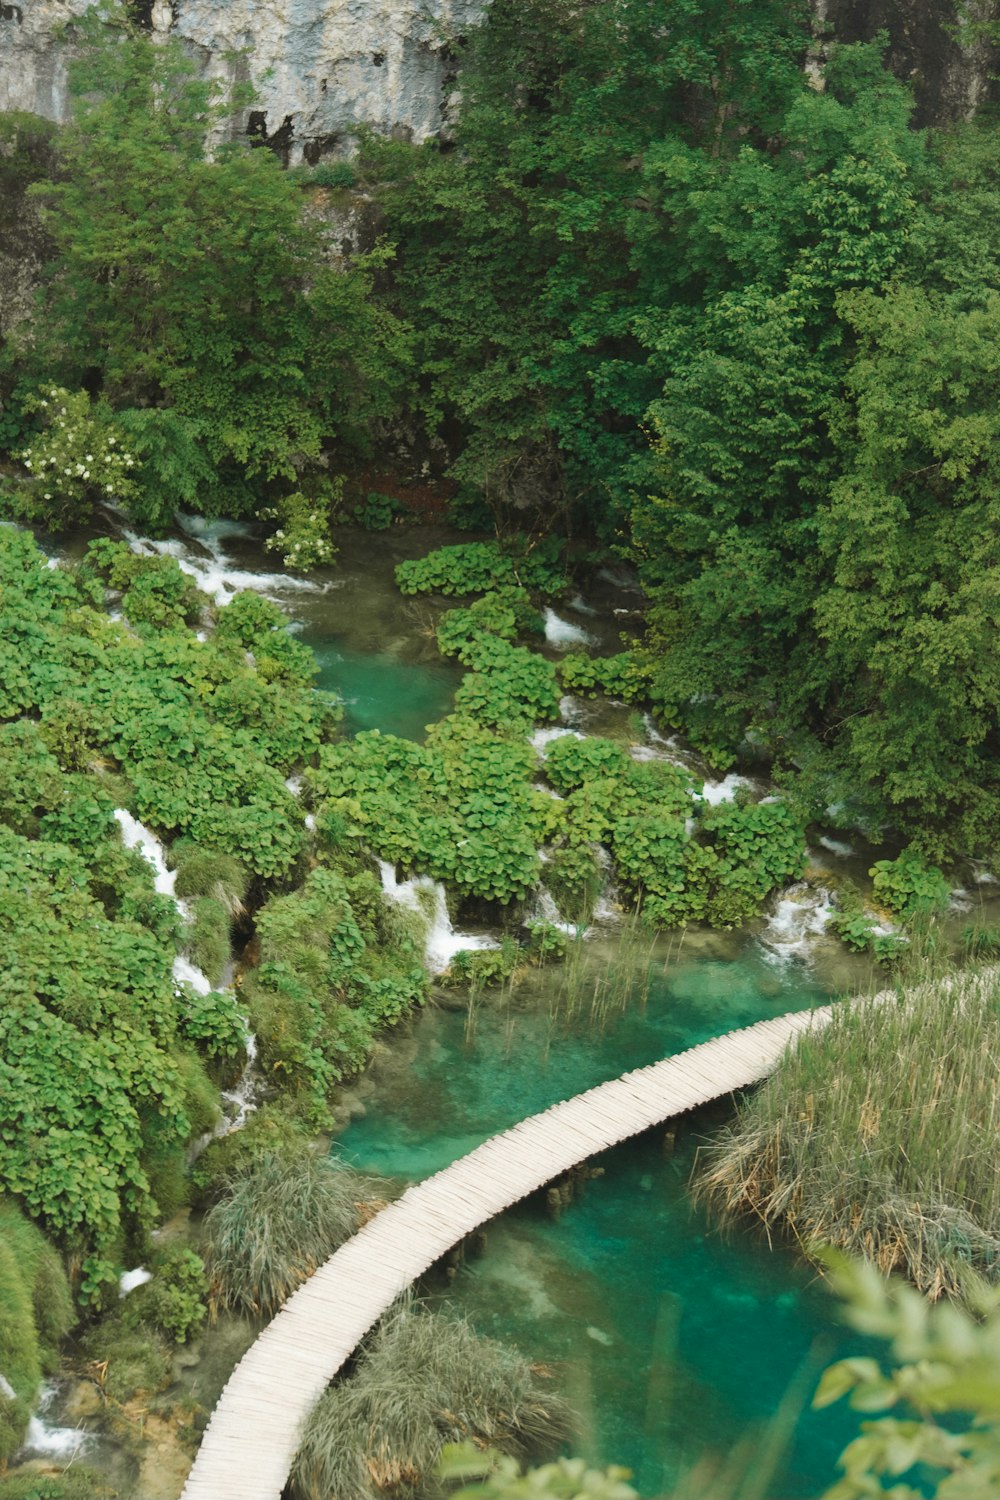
(252, 1437)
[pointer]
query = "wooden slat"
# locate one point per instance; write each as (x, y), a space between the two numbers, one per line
(250, 1442)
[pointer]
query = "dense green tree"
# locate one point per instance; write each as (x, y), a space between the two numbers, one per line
(192, 290)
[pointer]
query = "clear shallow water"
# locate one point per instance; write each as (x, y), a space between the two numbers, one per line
(384, 692)
(670, 1340)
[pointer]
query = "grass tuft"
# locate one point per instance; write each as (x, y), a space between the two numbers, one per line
(878, 1136)
(278, 1220)
(424, 1379)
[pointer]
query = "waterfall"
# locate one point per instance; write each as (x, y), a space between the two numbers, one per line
(799, 917)
(212, 569)
(47, 1440)
(427, 897)
(242, 1097)
(562, 634)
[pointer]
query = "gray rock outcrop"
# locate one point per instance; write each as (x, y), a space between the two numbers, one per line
(320, 67)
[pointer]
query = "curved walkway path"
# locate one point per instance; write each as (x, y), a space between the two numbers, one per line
(253, 1435)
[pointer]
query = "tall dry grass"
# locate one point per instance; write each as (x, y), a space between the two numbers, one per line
(879, 1135)
(279, 1219)
(423, 1379)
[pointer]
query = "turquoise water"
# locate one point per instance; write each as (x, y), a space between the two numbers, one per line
(385, 692)
(671, 1340)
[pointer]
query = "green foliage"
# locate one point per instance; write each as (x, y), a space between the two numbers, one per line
(942, 1388)
(41, 1270)
(303, 537)
(422, 1379)
(509, 688)
(278, 1220)
(504, 612)
(480, 967)
(136, 1360)
(478, 567)
(377, 512)
(495, 1476)
(546, 944)
(224, 338)
(873, 1137)
(460, 808)
(627, 676)
(173, 1303)
(907, 886)
(74, 1484)
(18, 1352)
(208, 942)
(323, 989)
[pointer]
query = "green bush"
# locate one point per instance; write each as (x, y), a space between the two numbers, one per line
(504, 612)
(279, 1218)
(477, 567)
(483, 966)
(908, 886)
(377, 512)
(628, 676)
(509, 688)
(174, 1302)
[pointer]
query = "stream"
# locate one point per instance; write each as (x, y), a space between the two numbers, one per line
(672, 1340)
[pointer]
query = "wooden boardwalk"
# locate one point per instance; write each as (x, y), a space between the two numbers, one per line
(253, 1435)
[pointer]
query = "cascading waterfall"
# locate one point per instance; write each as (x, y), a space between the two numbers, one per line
(241, 1099)
(212, 569)
(428, 899)
(46, 1439)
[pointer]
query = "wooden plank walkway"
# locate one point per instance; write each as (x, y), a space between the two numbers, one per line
(253, 1434)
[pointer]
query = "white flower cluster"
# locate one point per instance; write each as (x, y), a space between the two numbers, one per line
(78, 450)
(304, 540)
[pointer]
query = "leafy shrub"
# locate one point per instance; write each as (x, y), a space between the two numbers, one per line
(546, 943)
(278, 1219)
(79, 456)
(377, 512)
(476, 567)
(628, 676)
(174, 1301)
(303, 535)
(154, 590)
(509, 687)
(571, 761)
(504, 612)
(422, 1379)
(480, 967)
(907, 886)
(205, 872)
(333, 174)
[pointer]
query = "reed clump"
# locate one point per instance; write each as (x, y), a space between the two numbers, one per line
(279, 1218)
(423, 1379)
(879, 1136)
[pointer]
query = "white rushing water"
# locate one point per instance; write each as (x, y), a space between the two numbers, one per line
(427, 898)
(562, 634)
(799, 917)
(242, 1098)
(204, 559)
(46, 1439)
(129, 1280)
(6, 1389)
(545, 909)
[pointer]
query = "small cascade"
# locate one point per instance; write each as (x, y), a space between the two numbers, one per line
(212, 569)
(836, 846)
(427, 897)
(562, 634)
(45, 1439)
(242, 1099)
(129, 1280)
(136, 836)
(542, 738)
(6, 1389)
(714, 792)
(546, 910)
(800, 916)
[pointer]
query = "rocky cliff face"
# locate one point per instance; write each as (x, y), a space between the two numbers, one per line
(320, 66)
(944, 48)
(323, 66)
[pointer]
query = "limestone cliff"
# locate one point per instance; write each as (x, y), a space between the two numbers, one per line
(319, 66)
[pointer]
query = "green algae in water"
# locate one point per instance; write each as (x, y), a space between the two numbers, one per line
(669, 1339)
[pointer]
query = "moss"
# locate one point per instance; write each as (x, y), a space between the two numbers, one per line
(135, 1361)
(209, 937)
(42, 1269)
(20, 1360)
(206, 872)
(75, 1484)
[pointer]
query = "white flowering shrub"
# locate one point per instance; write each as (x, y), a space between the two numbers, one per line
(303, 532)
(79, 458)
